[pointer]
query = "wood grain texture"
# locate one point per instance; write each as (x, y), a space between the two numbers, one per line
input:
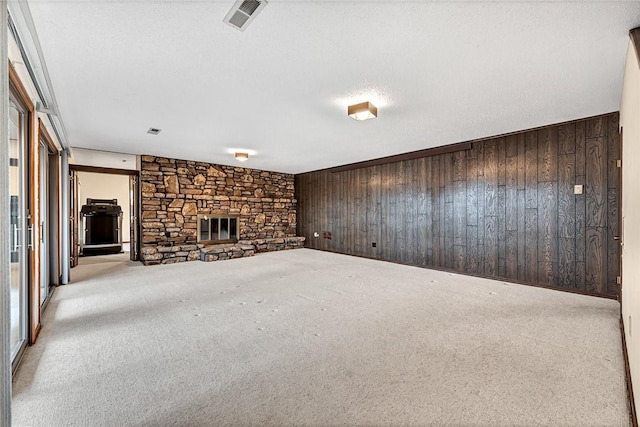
(504, 208)
(511, 257)
(596, 263)
(596, 182)
(548, 155)
(566, 197)
(436, 213)
(596, 127)
(422, 209)
(472, 262)
(522, 239)
(567, 138)
(472, 191)
(531, 245)
(566, 263)
(580, 219)
(490, 178)
(613, 151)
(531, 170)
(502, 167)
(491, 245)
(547, 231)
(502, 230)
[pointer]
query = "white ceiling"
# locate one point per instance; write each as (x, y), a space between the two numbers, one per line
(439, 73)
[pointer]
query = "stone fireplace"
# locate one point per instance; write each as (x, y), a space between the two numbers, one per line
(177, 193)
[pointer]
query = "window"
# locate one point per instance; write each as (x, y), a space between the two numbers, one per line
(217, 229)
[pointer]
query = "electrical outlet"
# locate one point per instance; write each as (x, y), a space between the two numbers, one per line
(577, 189)
(373, 245)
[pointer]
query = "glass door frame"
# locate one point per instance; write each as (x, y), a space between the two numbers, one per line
(43, 242)
(21, 230)
(49, 232)
(31, 314)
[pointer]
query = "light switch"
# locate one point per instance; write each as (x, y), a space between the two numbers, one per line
(577, 189)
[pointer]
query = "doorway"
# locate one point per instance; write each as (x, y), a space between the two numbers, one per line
(106, 190)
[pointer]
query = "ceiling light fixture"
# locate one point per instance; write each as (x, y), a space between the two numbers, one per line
(153, 131)
(362, 111)
(242, 157)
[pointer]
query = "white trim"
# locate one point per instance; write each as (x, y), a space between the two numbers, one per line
(64, 235)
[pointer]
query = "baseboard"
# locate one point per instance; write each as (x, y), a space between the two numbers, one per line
(504, 279)
(627, 369)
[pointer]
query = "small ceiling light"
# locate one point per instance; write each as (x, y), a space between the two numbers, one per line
(362, 111)
(242, 157)
(153, 131)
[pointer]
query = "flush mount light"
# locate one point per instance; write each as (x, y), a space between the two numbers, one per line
(242, 157)
(153, 131)
(362, 111)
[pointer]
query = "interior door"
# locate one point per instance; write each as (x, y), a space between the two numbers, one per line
(18, 182)
(134, 203)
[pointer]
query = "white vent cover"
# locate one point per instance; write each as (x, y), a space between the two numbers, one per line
(243, 12)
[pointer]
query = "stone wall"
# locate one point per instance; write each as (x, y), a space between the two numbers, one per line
(175, 191)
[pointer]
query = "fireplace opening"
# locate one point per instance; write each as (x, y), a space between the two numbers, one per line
(217, 229)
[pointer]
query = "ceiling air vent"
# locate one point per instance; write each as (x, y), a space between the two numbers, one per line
(243, 12)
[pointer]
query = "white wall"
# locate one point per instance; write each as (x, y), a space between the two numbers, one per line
(630, 123)
(102, 159)
(106, 186)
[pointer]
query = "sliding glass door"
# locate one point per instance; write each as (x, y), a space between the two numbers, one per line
(18, 134)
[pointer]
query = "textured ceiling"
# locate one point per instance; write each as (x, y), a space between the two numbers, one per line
(439, 73)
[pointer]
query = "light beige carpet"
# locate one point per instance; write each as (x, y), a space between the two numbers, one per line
(311, 338)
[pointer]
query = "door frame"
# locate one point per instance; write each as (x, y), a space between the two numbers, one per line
(32, 286)
(134, 209)
(134, 222)
(73, 218)
(620, 218)
(52, 196)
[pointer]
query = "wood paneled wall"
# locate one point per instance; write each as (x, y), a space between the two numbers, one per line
(504, 209)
